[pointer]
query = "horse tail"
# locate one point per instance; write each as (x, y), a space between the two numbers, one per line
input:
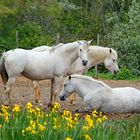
(3, 71)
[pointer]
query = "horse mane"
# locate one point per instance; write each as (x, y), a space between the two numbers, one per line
(97, 49)
(61, 44)
(56, 47)
(78, 76)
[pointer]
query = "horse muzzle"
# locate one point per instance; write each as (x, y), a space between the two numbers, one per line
(62, 98)
(115, 71)
(84, 62)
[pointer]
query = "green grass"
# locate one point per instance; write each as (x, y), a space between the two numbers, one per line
(124, 74)
(24, 124)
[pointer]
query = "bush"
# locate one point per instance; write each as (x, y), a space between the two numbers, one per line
(125, 37)
(124, 74)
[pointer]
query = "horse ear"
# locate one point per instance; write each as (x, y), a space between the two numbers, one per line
(110, 50)
(78, 42)
(69, 77)
(90, 41)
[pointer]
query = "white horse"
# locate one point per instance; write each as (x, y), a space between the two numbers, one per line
(97, 55)
(97, 95)
(34, 65)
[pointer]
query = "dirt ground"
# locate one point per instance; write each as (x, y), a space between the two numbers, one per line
(23, 92)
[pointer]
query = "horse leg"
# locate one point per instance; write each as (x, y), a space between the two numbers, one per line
(56, 86)
(8, 86)
(51, 96)
(37, 91)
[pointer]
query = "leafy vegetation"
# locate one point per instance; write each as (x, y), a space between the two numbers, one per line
(31, 123)
(30, 23)
(124, 74)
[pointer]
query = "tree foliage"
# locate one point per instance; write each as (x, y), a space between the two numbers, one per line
(30, 23)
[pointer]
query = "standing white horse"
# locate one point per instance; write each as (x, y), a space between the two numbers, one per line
(97, 55)
(34, 65)
(97, 95)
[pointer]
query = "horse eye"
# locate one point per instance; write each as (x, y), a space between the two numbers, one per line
(113, 60)
(64, 85)
(80, 49)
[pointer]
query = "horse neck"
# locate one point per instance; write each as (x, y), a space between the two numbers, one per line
(97, 55)
(69, 52)
(85, 86)
(81, 87)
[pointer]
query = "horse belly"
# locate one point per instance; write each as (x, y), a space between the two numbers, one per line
(37, 74)
(38, 70)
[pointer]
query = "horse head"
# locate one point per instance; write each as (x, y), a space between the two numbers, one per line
(83, 51)
(111, 61)
(67, 89)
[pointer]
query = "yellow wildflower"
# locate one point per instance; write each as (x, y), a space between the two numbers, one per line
(68, 138)
(56, 123)
(28, 129)
(0, 125)
(104, 118)
(33, 132)
(4, 108)
(56, 107)
(23, 132)
(87, 137)
(94, 114)
(32, 123)
(86, 128)
(16, 108)
(37, 109)
(6, 116)
(98, 120)
(66, 113)
(29, 105)
(41, 127)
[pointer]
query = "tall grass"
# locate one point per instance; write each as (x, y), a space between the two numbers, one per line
(31, 123)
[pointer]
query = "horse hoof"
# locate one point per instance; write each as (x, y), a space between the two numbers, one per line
(36, 100)
(50, 105)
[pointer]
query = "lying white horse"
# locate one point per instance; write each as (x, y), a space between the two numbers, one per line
(34, 65)
(97, 95)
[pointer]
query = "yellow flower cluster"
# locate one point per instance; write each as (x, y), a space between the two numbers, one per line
(70, 120)
(35, 127)
(68, 138)
(38, 122)
(16, 108)
(87, 137)
(5, 113)
(89, 123)
(56, 107)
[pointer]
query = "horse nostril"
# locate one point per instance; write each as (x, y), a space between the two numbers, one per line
(84, 62)
(62, 98)
(115, 71)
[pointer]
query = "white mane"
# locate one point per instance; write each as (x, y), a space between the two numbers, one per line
(90, 80)
(98, 50)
